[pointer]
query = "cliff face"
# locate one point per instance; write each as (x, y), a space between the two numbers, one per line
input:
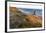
(20, 20)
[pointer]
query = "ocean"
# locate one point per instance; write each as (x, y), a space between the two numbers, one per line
(37, 12)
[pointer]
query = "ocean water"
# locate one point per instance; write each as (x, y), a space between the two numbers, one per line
(38, 12)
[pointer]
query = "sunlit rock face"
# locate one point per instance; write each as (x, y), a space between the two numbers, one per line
(19, 19)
